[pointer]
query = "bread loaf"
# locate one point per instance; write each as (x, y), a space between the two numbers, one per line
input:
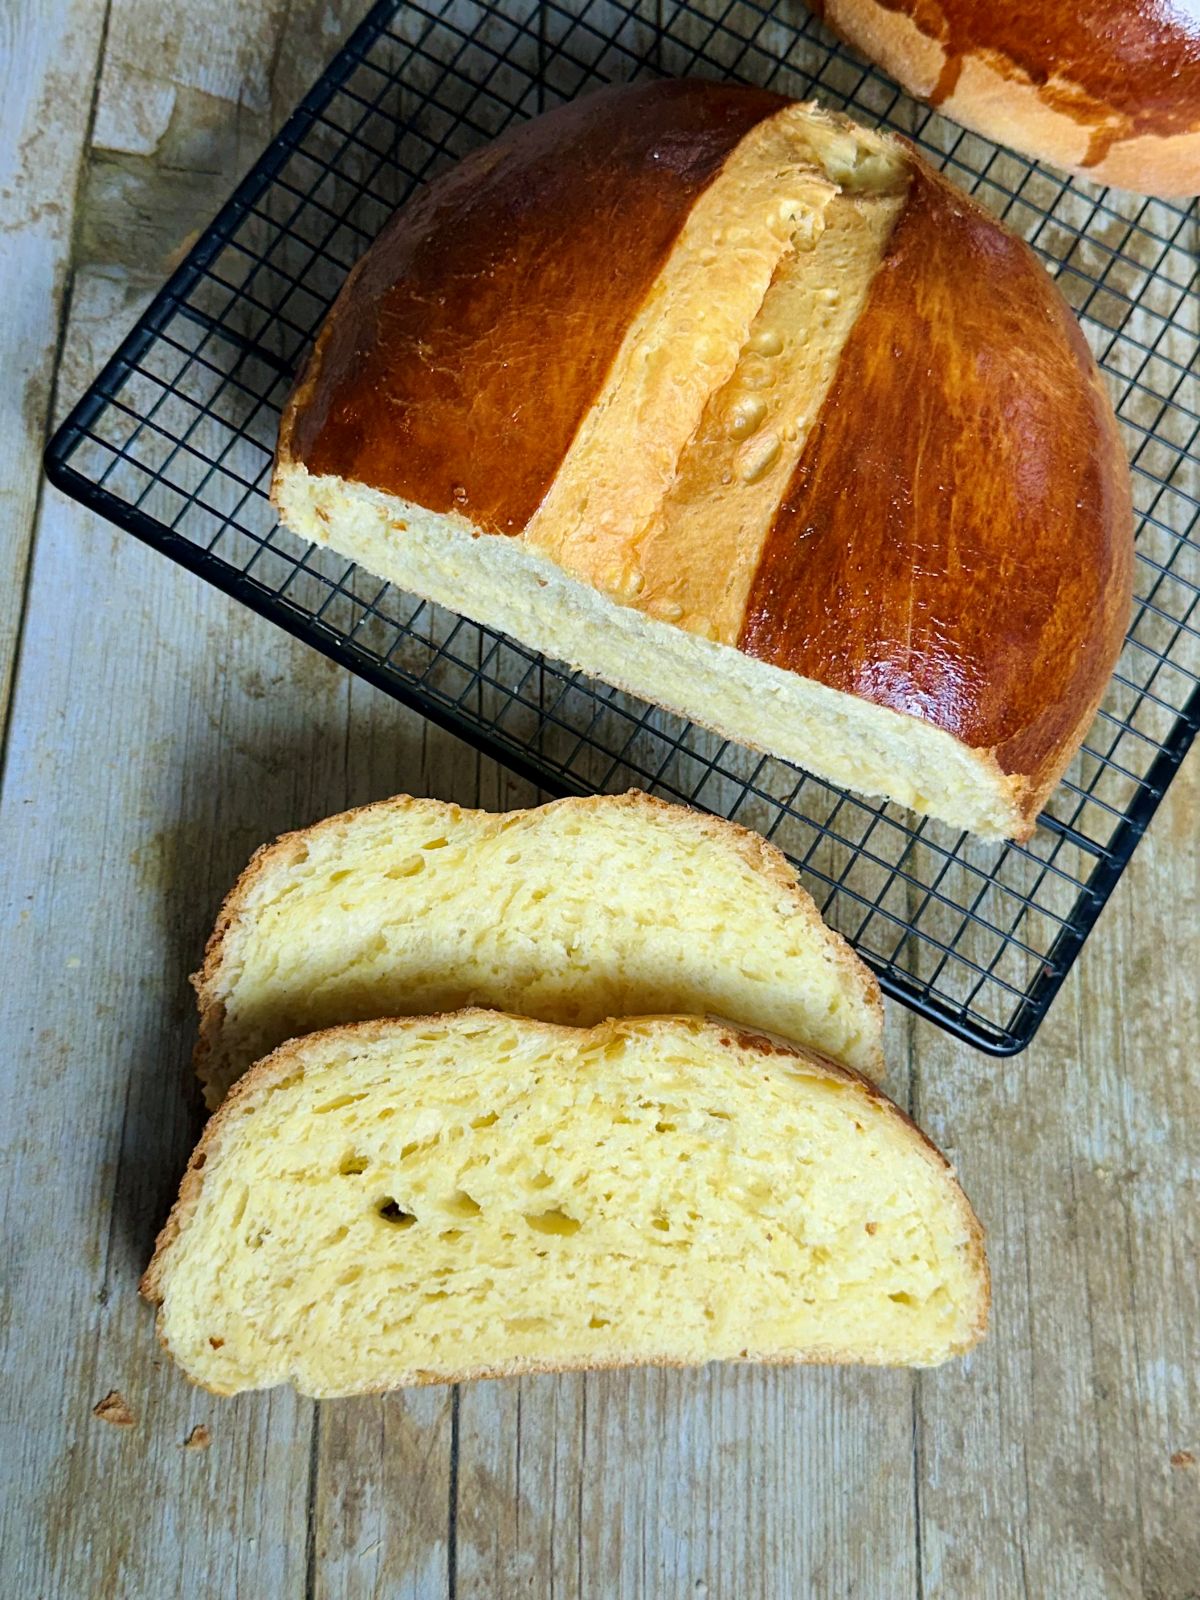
(1108, 89)
(743, 409)
(477, 1195)
(573, 912)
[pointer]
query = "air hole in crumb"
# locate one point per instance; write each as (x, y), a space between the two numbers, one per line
(872, 1227)
(451, 1235)
(661, 1224)
(487, 1121)
(352, 1165)
(599, 1322)
(339, 1104)
(542, 1181)
(462, 1205)
(542, 1138)
(721, 1116)
(391, 1213)
(216, 1343)
(339, 877)
(406, 869)
(664, 1127)
(903, 1299)
(200, 1160)
(435, 844)
(554, 1222)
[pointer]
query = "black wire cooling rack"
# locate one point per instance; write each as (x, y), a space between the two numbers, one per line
(174, 443)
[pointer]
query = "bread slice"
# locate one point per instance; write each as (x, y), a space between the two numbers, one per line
(573, 912)
(444, 1198)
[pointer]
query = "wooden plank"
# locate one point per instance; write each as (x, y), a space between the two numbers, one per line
(48, 61)
(1046, 1459)
(158, 734)
(117, 837)
(382, 1511)
(384, 1506)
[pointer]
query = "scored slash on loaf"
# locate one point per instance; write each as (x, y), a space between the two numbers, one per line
(744, 409)
(573, 912)
(444, 1198)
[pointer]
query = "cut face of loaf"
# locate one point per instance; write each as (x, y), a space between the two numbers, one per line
(479, 1195)
(573, 912)
(745, 410)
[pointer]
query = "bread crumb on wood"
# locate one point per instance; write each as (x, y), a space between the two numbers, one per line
(198, 1439)
(1183, 1458)
(114, 1408)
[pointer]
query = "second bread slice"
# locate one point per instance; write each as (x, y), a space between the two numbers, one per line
(576, 911)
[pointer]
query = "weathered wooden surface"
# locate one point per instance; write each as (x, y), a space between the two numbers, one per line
(157, 734)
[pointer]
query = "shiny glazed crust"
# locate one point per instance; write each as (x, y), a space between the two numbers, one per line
(954, 542)
(1034, 608)
(431, 349)
(1107, 89)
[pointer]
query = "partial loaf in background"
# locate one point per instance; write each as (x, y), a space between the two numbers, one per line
(746, 410)
(1108, 89)
(477, 1195)
(573, 912)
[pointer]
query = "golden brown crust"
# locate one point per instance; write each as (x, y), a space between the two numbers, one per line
(760, 855)
(289, 1062)
(998, 625)
(1106, 88)
(440, 377)
(980, 575)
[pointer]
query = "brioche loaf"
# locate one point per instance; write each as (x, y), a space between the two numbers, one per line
(745, 410)
(1108, 89)
(475, 1195)
(573, 912)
